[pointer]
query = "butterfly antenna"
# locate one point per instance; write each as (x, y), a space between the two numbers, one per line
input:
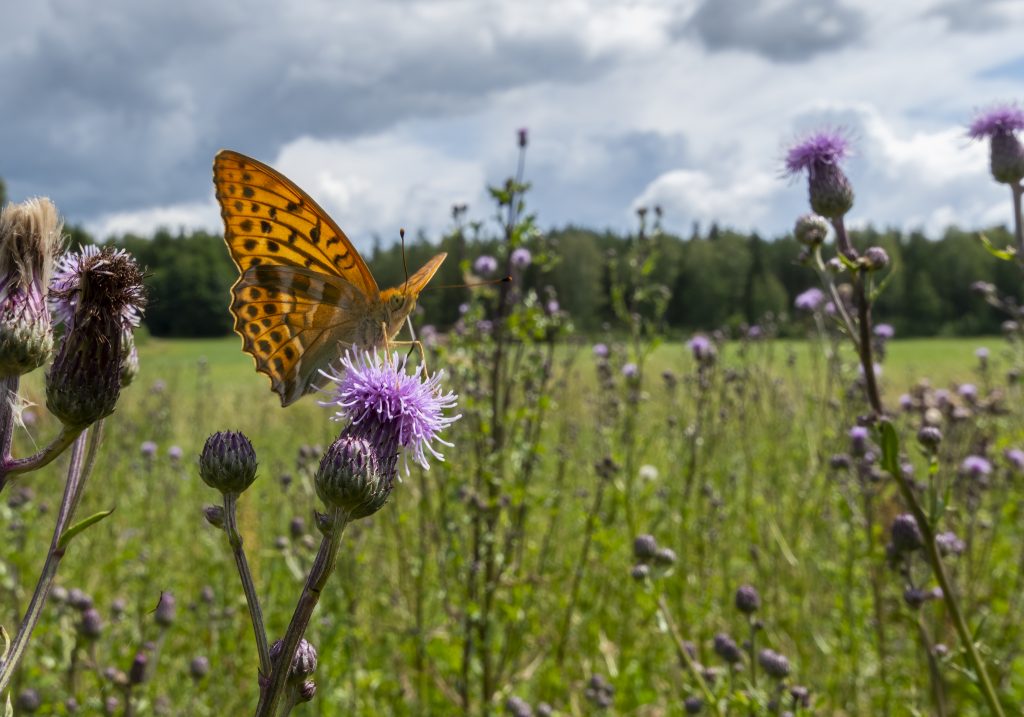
(502, 280)
(405, 264)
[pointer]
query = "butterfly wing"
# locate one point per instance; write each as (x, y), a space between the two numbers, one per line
(416, 283)
(294, 321)
(303, 289)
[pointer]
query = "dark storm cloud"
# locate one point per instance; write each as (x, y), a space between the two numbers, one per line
(789, 31)
(119, 105)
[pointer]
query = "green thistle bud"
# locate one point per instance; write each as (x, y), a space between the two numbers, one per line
(831, 193)
(228, 462)
(30, 234)
(349, 478)
(811, 230)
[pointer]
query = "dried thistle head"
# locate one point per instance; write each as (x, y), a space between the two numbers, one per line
(30, 235)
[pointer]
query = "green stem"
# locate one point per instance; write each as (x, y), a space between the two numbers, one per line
(82, 460)
(684, 655)
(323, 566)
(252, 599)
(17, 466)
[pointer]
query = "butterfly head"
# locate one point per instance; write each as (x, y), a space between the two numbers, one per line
(398, 304)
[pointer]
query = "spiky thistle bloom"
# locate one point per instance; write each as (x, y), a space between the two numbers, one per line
(30, 235)
(1000, 125)
(810, 300)
(820, 155)
(391, 408)
(99, 302)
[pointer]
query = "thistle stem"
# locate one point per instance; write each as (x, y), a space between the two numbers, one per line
(248, 585)
(82, 461)
(323, 566)
(9, 388)
(1018, 221)
(17, 466)
(691, 666)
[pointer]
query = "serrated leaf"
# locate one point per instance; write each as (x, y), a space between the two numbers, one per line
(70, 533)
(890, 448)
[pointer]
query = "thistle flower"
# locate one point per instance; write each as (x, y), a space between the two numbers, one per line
(630, 370)
(930, 437)
(600, 351)
(199, 667)
(875, 258)
(391, 408)
(820, 155)
(949, 544)
(28, 701)
(30, 235)
(1000, 125)
(726, 648)
(858, 440)
(976, 467)
(810, 300)
(906, 535)
(485, 265)
(1015, 457)
(702, 349)
(884, 331)
(520, 258)
(99, 300)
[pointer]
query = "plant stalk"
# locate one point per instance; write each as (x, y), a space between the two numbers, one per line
(248, 584)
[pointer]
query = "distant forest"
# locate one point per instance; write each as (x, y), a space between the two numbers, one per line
(717, 278)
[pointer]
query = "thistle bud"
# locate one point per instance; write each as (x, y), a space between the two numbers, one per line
(28, 701)
(228, 462)
(307, 691)
(199, 667)
(214, 515)
(303, 662)
(811, 230)
(349, 478)
(820, 154)
(774, 664)
(1000, 125)
(137, 672)
(166, 610)
(906, 535)
(644, 547)
(875, 258)
(747, 599)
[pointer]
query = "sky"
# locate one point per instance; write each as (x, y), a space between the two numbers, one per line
(389, 112)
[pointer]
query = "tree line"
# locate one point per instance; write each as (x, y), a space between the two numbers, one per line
(717, 278)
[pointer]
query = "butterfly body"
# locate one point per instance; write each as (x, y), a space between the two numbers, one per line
(303, 295)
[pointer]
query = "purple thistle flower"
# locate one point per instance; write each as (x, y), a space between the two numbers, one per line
(630, 370)
(1015, 457)
(600, 351)
(820, 154)
(968, 391)
(975, 467)
(702, 349)
(485, 265)
(389, 407)
(1000, 125)
(148, 449)
(521, 258)
(174, 453)
(859, 439)
(885, 331)
(1001, 119)
(66, 284)
(810, 300)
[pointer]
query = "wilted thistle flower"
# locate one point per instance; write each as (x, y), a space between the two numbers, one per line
(350, 478)
(906, 535)
(485, 265)
(1000, 125)
(303, 661)
(747, 599)
(819, 155)
(810, 300)
(228, 462)
(520, 258)
(975, 467)
(390, 408)
(30, 235)
(811, 230)
(99, 299)
(875, 258)
(774, 664)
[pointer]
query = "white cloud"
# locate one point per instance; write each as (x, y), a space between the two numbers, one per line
(143, 222)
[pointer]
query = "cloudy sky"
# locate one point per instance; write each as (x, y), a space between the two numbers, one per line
(389, 112)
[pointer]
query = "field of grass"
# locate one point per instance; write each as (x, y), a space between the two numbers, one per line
(730, 469)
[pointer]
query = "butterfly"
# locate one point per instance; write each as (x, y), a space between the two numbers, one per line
(303, 295)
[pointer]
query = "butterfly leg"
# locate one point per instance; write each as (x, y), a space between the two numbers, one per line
(414, 345)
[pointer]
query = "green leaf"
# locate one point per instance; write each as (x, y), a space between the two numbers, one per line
(1006, 254)
(81, 525)
(890, 448)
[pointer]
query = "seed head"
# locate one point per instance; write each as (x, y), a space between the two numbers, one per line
(228, 462)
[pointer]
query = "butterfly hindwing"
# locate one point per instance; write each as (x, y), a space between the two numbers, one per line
(293, 322)
(270, 220)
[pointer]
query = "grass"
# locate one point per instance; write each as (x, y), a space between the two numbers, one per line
(762, 508)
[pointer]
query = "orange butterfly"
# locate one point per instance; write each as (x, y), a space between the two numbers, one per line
(304, 295)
